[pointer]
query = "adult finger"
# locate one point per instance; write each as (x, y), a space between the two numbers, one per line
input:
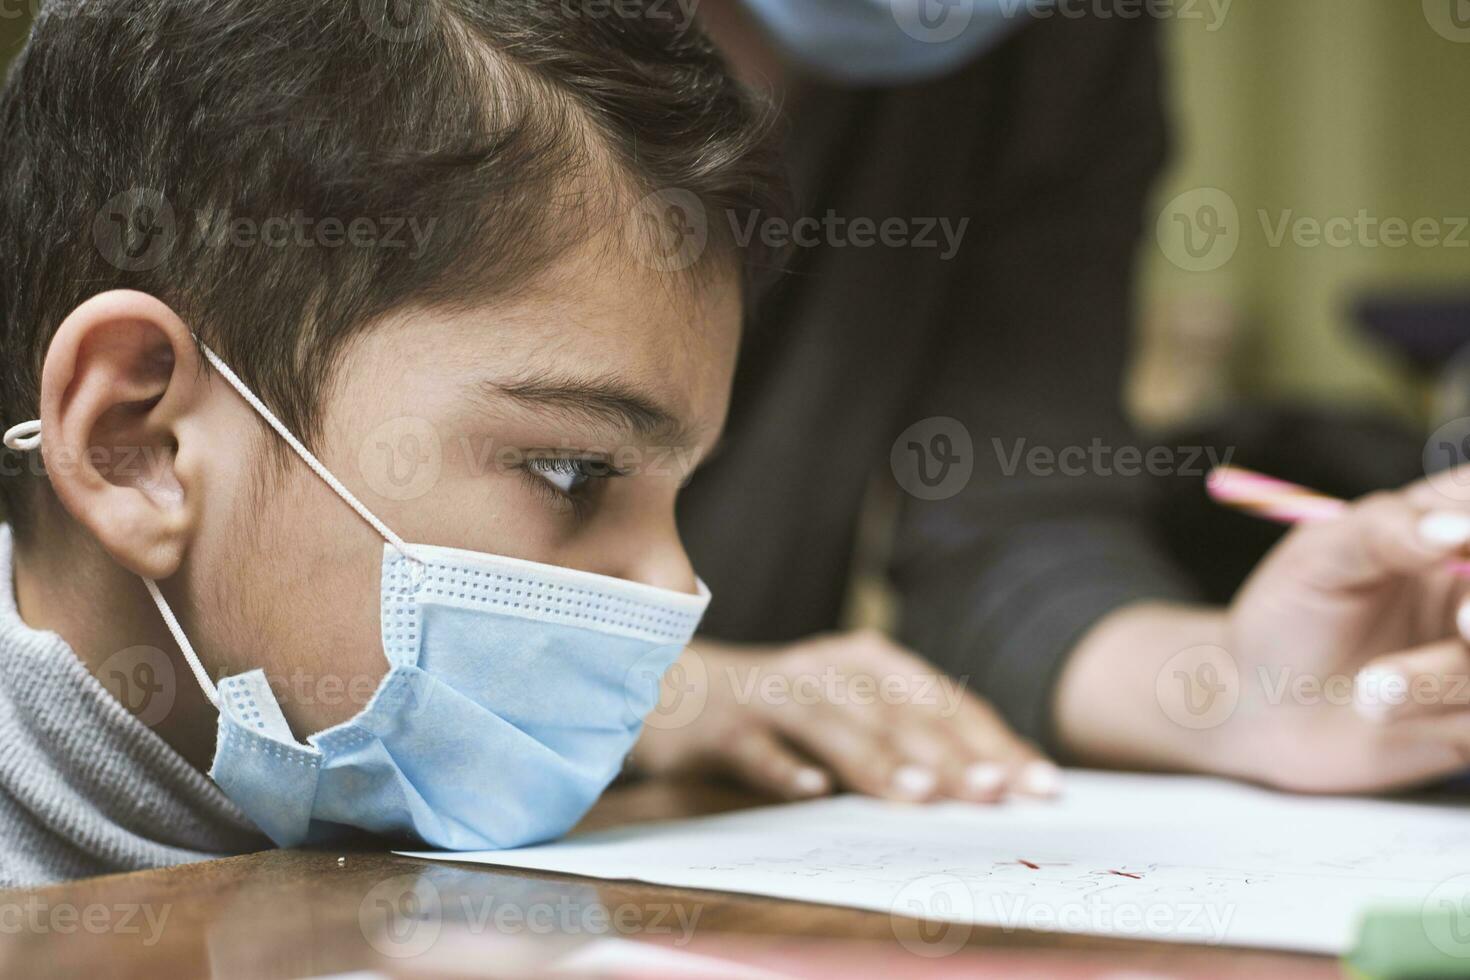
(926, 742)
(860, 757)
(993, 759)
(1380, 538)
(991, 742)
(937, 723)
(1446, 737)
(756, 756)
(1422, 682)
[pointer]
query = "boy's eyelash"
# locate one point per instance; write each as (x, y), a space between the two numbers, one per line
(578, 499)
(561, 464)
(592, 467)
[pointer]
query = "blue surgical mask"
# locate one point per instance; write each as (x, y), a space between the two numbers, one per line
(514, 691)
(888, 41)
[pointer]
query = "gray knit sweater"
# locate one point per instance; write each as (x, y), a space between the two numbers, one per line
(85, 787)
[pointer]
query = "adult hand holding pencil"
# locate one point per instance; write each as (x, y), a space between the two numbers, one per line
(1406, 549)
(1339, 666)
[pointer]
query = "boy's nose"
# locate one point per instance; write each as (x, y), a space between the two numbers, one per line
(666, 566)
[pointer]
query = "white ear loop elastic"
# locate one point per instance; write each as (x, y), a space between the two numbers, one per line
(200, 674)
(26, 436)
(305, 454)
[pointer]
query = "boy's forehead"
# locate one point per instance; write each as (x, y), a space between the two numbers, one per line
(643, 357)
(607, 314)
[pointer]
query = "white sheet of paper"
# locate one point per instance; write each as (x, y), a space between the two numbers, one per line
(1159, 857)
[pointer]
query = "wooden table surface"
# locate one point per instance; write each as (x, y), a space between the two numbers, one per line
(309, 912)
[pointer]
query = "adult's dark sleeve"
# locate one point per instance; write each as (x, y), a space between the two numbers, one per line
(999, 581)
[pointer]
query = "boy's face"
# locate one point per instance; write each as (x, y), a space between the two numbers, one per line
(556, 428)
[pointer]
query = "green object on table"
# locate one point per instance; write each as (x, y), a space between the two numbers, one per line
(1399, 943)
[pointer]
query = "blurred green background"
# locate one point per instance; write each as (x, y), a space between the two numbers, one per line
(1307, 109)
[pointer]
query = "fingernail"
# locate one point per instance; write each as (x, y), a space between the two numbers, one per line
(984, 778)
(1445, 528)
(1041, 779)
(809, 782)
(913, 782)
(1377, 690)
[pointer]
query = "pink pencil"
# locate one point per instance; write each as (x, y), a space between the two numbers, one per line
(1279, 501)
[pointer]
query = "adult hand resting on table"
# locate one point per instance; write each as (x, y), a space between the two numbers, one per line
(847, 711)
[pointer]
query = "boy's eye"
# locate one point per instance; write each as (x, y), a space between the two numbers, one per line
(569, 475)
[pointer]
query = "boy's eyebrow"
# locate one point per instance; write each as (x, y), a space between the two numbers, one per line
(598, 401)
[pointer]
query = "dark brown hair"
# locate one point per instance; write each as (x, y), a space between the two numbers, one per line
(138, 137)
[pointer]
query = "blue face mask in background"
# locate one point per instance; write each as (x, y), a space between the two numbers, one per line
(514, 692)
(887, 41)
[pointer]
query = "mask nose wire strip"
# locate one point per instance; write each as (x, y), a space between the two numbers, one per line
(200, 674)
(306, 455)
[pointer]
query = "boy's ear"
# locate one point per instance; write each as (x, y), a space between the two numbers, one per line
(121, 377)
